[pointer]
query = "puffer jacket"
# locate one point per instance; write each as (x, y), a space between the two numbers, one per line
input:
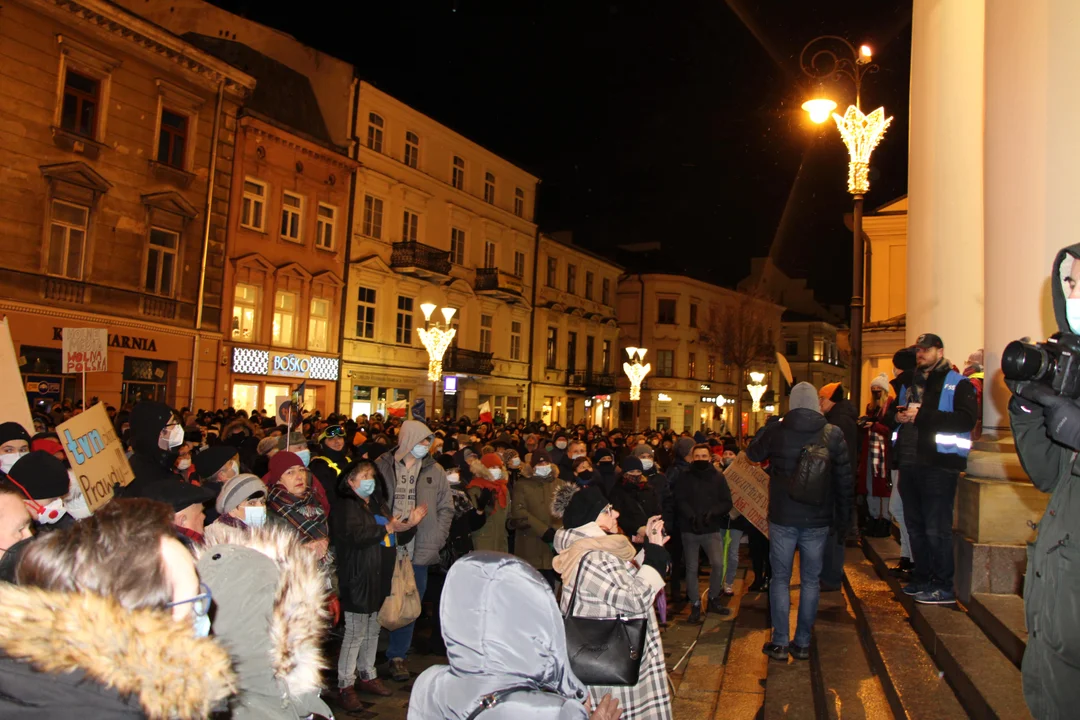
(702, 500)
(844, 416)
(781, 444)
(491, 650)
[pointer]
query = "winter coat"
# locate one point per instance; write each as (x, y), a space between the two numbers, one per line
(636, 504)
(781, 443)
(490, 649)
(844, 416)
(872, 432)
(326, 468)
(68, 655)
(493, 534)
(531, 505)
(605, 471)
(611, 587)
(702, 501)
(1051, 666)
(270, 614)
(149, 463)
(930, 421)
(432, 489)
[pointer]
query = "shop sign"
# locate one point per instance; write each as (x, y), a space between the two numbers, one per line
(290, 365)
(122, 342)
(705, 386)
(96, 455)
(85, 350)
(708, 400)
(450, 384)
(663, 397)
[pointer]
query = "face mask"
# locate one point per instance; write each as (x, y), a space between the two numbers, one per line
(1072, 313)
(496, 473)
(6, 461)
(183, 463)
(727, 461)
(584, 477)
(174, 439)
(235, 466)
(515, 462)
(701, 465)
(255, 516)
(201, 625)
(561, 444)
(453, 478)
(52, 512)
(646, 464)
(575, 456)
(543, 470)
(419, 451)
(366, 488)
(304, 455)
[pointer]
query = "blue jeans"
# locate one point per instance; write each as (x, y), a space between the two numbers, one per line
(928, 494)
(401, 639)
(783, 540)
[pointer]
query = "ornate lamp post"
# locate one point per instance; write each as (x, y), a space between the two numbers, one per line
(636, 371)
(831, 56)
(757, 389)
(435, 339)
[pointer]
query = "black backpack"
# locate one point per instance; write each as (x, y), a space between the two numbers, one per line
(809, 484)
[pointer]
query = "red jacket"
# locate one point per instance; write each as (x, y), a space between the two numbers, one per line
(870, 425)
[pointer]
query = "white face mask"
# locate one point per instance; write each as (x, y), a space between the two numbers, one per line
(174, 438)
(496, 473)
(575, 456)
(183, 463)
(646, 464)
(52, 512)
(8, 460)
(304, 455)
(561, 444)
(1072, 313)
(453, 478)
(255, 515)
(543, 470)
(515, 462)
(419, 451)
(201, 625)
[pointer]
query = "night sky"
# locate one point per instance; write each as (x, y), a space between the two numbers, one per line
(671, 122)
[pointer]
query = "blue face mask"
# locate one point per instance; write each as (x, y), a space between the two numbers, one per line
(366, 488)
(419, 451)
(255, 516)
(201, 625)
(304, 455)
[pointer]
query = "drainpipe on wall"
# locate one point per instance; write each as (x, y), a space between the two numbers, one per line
(210, 180)
(354, 154)
(532, 322)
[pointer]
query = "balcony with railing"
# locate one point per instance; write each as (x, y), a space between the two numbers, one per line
(595, 383)
(423, 261)
(500, 284)
(468, 362)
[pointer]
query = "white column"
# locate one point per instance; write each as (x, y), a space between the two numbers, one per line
(1032, 179)
(945, 175)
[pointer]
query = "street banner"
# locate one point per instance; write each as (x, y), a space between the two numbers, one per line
(13, 405)
(749, 486)
(85, 350)
(96, 455)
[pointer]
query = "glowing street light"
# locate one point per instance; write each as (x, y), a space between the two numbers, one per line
(756, 389)
(635, 370)
(820, 109)
(436, 339)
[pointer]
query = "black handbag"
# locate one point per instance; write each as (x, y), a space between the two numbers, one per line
(604, 651)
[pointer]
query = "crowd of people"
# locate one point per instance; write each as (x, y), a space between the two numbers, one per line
(211, 582)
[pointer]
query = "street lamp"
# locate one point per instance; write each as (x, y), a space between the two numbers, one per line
(757, 389)
(435, 338)
(636, 370)
(861, 134)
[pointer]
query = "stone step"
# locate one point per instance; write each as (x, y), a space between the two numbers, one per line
(1001, 617)
(844, 681)
(985, 681)
(913, 685)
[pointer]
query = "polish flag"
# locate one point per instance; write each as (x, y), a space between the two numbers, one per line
(398, 409)
(485, 412)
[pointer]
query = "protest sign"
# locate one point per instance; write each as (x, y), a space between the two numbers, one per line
(749, 486)
(13, 405)
(85, 350)
(96, 455)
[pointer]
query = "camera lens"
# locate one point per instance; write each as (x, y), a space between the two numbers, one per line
(1022, 361)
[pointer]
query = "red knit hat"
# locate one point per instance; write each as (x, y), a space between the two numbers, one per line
(491, 460)
(279, 464)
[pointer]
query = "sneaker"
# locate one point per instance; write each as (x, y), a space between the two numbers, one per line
(718, 607)
(398, 671)
(913, 589)
(348, 699)
(695, 615)
(729, 590)
(799, 653)
(374, 686)
(903, 569)
(936, 597)
(776, 652)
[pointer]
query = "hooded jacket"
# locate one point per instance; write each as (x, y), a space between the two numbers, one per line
(490, 649)
(149, 462)
(269, 613)
(67, 655)
(1051, 666)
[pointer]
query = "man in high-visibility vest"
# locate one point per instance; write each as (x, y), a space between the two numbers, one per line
(932, 423)
(331, 460)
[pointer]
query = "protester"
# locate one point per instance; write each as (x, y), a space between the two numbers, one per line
(16, 529)
(634, 500)
(156, 439)
(872, 477)
(903, 370)
(331, 460)
(604, 462)
(291, 498)
(531, 511)
(242, 503)
(490, 494)
(840, 413)
(45, 482)
(14, 443)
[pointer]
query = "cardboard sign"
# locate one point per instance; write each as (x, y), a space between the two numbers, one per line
(85, 350)
(96, 455)
(13, 405)
(749, 486)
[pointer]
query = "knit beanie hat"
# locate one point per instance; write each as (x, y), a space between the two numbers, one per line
(904, 359)
(13, 431)
(584, 507)
(40, 475)
(266, 445)
(832, 391)
(804, 396)
(540, 456)
(881, 381)
(683, 446)
(631, 463)
(643, 449)
(279, 464)
(491, 460)
(240, 488)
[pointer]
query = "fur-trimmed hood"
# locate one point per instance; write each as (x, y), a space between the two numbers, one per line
(561, 500)
(271, 615)
(482, 471)
(54, 642)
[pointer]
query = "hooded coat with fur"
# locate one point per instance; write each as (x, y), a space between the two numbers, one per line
(67, 655)
(492, 535)
(270, 600)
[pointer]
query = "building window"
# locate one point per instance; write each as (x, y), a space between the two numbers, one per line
(457, 246)
(605, 357)
(373, 217)
(292, 208)
(552, 348)
(519, 264)
(489, 254)
(284, 318)
(172, 139)
(605, 292)
(693, 315)
(489, 188)
(412, 149)
(78, 114)
(67, 239)
(161, 261)
(691, 366)
(665, 311)
(588, 285)
(486, 325)
(712, 367)
(819, 349)
(410, 226)
(324, 227)
(457, 173)
(571, 279)
(552, 271)
(365, 313)
(318, 337)
(374, 132)
(245, 313)
(571, 352)
(665, 363)
(519, 202)
(791, 348)
(403, 333)
(515, 340)
(253, 208)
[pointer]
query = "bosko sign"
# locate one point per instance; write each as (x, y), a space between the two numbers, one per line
(289, 365)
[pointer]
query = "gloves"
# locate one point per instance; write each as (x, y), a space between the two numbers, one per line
(656, 557)
(549, 536)
(485, 499)
(1036, 392)
(1062, 417)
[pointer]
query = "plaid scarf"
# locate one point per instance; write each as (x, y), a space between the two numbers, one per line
(305, 514)
(191, 535)
(877, 453)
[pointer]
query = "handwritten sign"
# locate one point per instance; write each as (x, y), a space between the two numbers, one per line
(96, 455)
(85, 350)
(749, 486)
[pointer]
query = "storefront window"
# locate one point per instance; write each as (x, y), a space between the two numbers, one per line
(145, 380)
(245, 312)
(245, 396)
(513, 409)
(284, 318)
(361, 401)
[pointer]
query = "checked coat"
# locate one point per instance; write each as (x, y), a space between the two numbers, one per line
(610, 587)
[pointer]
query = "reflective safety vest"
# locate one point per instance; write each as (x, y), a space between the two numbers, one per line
(333, 465)
(947, 443)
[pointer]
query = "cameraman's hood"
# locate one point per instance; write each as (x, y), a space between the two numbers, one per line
(1060, 287)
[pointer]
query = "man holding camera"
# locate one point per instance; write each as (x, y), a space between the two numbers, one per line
(932, 423)
(1046, 426)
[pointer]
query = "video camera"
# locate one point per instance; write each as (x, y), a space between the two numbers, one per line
(1055, 362)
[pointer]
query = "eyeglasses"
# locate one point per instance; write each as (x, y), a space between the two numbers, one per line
(200, 604)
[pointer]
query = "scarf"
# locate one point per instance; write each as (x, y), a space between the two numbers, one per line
(566, 562)
(918, 383)
(498, 487)
(191, 535)
(305, 514)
